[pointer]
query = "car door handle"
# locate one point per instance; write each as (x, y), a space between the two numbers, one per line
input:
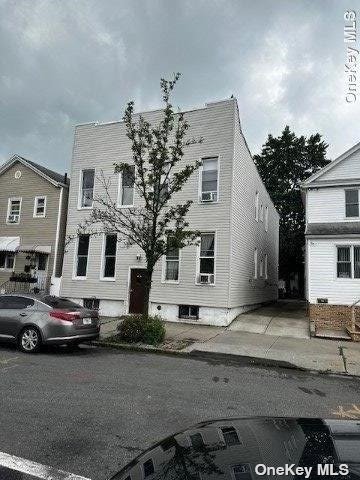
(23, 314)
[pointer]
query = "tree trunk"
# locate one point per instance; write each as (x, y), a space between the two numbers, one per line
(148, 280)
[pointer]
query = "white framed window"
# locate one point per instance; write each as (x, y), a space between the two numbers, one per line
(108, 262)
(261, 212)
(7, 260)
(351, 203)
(348, 261)
(87, 180)
(257, 206)
(255, 263)
(126, 187)
(266, 266)
(266, 218)
(82, 253)
(206, 260)
(189, 311)
(261, 273)
(172, 263)
(39, 207)
(14, 210)
(209, 180)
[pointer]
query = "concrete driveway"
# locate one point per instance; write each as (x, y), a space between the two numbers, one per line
(285, 318)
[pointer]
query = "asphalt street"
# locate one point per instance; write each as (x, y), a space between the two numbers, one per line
(90, 411)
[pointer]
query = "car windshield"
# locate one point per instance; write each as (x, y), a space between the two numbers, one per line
(59, 302)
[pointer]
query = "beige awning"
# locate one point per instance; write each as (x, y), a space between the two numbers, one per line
(9, 244)
(34, 249)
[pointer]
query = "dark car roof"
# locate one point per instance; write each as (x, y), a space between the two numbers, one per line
(242, 443)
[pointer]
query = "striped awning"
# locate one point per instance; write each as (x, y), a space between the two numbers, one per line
(34, 248)
(9, 244)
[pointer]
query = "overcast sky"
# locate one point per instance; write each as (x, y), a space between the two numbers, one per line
(64, 62)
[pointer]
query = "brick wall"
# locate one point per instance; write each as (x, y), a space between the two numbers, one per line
(334, 317)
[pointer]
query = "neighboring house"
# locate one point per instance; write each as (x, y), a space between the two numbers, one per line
(333, 245)
(33, 209)
(235, 267)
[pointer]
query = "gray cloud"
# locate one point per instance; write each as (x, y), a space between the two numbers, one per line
(64, 62)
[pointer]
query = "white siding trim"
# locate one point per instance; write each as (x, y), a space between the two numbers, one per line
(58, 224)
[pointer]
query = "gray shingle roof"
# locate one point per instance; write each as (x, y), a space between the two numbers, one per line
(57, 177)
(339, 228)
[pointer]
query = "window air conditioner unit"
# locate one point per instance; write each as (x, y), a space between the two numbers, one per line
(206, 278)
(13, 218)
(209, 196)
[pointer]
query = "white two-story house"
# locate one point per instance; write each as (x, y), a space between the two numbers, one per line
(333, 245)
(235, 266)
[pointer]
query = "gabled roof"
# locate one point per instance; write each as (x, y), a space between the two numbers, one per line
(316, 176)
(55, 178)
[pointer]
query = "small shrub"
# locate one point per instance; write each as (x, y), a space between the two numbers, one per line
(139, 328)
(154, 331)
(131, 328)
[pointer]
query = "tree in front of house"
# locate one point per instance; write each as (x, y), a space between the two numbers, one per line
(284, 163)
(157, 172)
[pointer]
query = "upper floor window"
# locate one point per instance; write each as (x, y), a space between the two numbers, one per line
(348, 261)
(352, 203)
(7, 260)
(82, 255)
(209, 180)
(266, 218)
(109, 257)
(14, 210)
(172, 261)
(266, 266)
(87, 188)
(257, 206)
(127, 182)
(261, 212)
(206, 262)
(40, 207)
(261, 267)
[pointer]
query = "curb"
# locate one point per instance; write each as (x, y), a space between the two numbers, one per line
(216, 357)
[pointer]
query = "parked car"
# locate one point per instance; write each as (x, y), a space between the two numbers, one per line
(33, 320)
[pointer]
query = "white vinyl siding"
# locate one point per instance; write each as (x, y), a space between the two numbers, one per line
(40, 207)
(14, 211)
(326, 205)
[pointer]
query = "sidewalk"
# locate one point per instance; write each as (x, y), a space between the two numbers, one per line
(311, 354)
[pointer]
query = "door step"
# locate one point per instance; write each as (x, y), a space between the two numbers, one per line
(332, 334)
(354, 334)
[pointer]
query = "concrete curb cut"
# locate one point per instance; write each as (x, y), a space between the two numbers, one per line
(256, 361)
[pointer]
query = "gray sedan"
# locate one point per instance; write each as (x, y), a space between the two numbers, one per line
(34, 320)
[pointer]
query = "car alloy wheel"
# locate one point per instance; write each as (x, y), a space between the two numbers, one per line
(29, 340)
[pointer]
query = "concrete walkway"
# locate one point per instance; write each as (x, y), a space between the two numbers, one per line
(286, 318)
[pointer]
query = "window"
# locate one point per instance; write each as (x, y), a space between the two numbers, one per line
(266, 218)
(266, 266)
(348, 262)
(352, 203)
(242, 471)
(197, 441)
(39, 207)
(255, 263)
(172, 261)
(207, 258)
(87, 188)
(91, 303)
(261, 212)
(230, 436)
(15, 303)
(148, 468)
(127, 186)
(189, 311)
(209, 180)
(109, 257)
(7, 260)
(257, 206)
(14, 210)
(82, 255)
(261, 267)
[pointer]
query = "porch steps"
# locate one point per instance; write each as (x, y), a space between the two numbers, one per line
(333, 334)
(354, 334)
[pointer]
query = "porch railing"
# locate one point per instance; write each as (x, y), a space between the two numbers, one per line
(42, 285)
